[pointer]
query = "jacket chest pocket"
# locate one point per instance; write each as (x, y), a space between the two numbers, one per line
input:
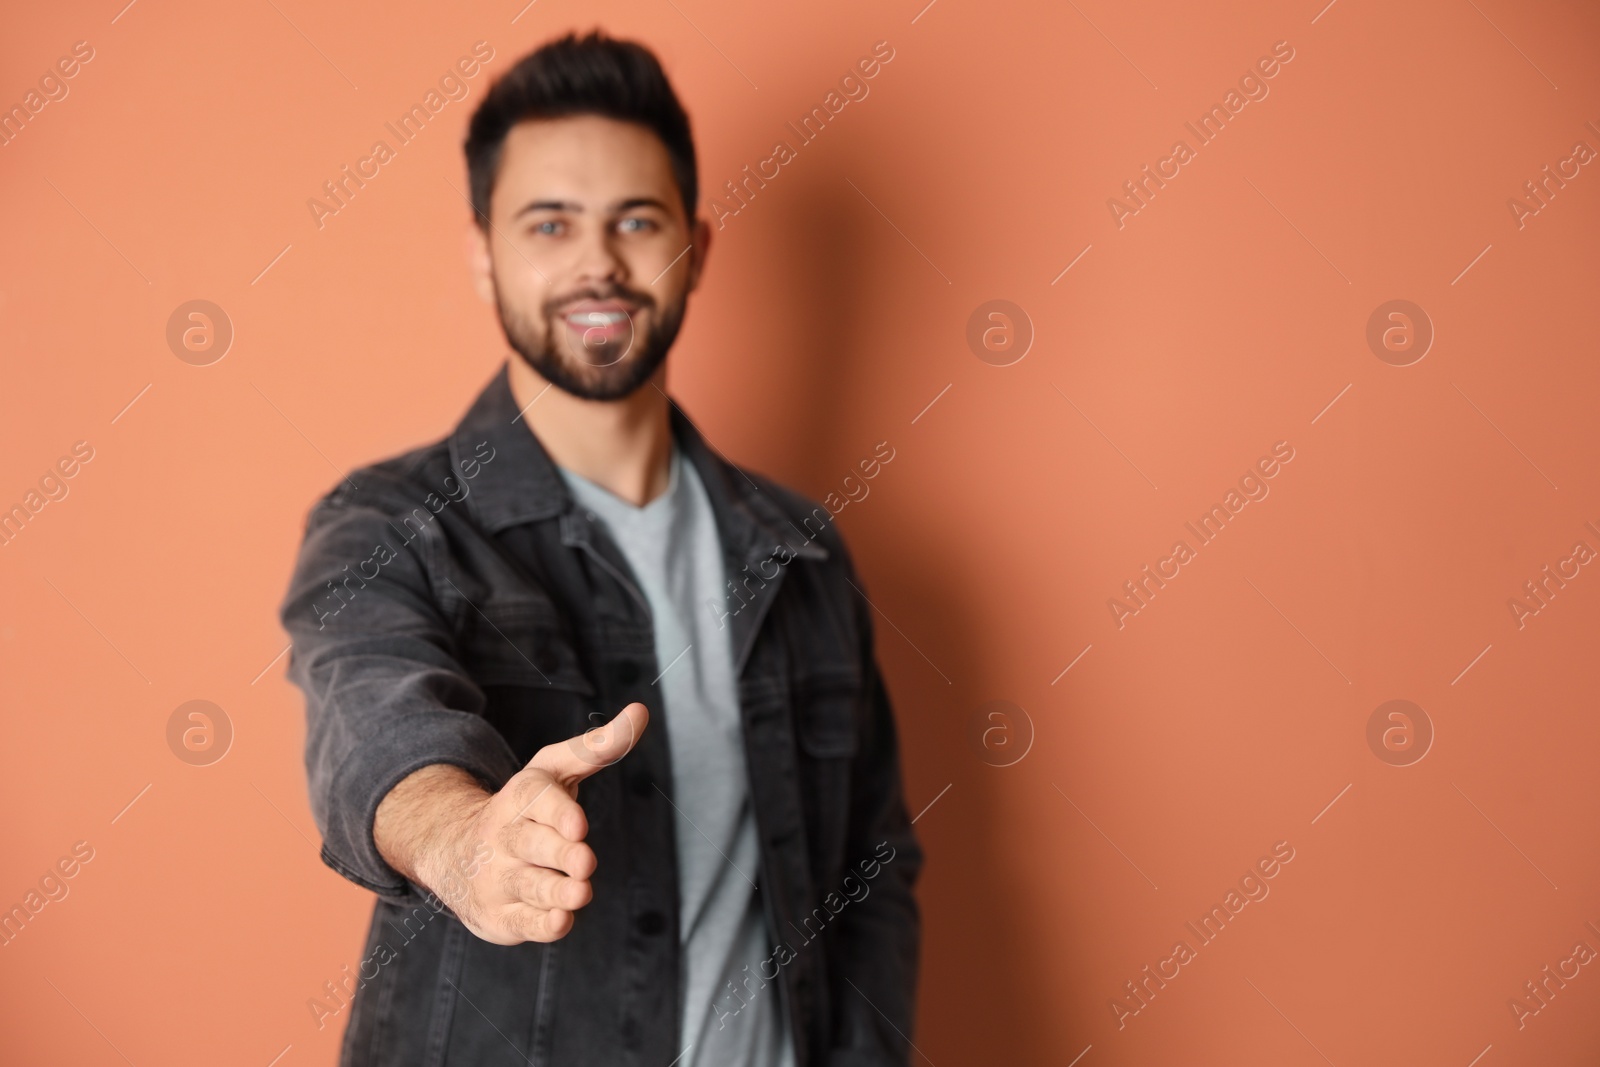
(528, 668)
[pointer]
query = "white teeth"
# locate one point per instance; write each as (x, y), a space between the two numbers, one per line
(597, 318)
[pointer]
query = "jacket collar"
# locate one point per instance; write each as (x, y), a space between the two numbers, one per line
(520, 483)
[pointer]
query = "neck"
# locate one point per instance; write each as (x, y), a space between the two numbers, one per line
(624, 446)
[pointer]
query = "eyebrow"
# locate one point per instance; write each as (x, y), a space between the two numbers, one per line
(575, 208)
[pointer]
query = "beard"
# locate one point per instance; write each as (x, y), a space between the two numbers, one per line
(585, 371)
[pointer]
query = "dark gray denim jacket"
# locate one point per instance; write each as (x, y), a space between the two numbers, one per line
(453, 605)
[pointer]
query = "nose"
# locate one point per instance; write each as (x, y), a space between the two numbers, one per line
(598, 264)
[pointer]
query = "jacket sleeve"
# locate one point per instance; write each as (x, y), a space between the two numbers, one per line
(374, 654)
(874, 977)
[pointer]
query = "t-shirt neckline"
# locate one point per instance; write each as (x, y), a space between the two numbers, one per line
(613, 504)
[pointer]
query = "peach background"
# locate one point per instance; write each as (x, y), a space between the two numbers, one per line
(1223, 718)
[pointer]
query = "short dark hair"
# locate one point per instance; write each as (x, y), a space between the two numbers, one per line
(590, 75)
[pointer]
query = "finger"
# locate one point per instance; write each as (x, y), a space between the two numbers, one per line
(543, 845)
(538, 924)
(542, 798)
(544, 888)
(578, 757)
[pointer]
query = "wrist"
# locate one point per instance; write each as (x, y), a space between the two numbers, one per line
(447, 855)
(420, 822)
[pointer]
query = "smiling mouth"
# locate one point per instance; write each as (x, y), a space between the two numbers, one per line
(596, 325)
(584, 319)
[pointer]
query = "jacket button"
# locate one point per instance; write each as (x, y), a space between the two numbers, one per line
(651, 923)
(627, 672)
(641, 784)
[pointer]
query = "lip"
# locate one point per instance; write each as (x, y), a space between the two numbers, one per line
(599, 321)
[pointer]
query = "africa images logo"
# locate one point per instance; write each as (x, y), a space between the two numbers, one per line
(1138, 192)
(453, 85)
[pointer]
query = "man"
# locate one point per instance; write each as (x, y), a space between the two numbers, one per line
(723, 872)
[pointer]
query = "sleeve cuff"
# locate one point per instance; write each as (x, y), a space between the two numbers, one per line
(373, 768)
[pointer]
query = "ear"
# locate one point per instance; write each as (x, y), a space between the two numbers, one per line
(700, 249)
(475, 243)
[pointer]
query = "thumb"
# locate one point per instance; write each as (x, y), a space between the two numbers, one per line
(578, 757)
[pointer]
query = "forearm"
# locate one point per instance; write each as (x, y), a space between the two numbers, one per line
(385, 697)
(422, 821)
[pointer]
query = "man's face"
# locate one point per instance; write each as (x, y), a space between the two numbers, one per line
(589, 256)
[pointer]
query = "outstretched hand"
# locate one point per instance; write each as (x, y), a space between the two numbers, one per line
(537, 873)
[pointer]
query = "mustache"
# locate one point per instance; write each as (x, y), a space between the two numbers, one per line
(640, 300)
